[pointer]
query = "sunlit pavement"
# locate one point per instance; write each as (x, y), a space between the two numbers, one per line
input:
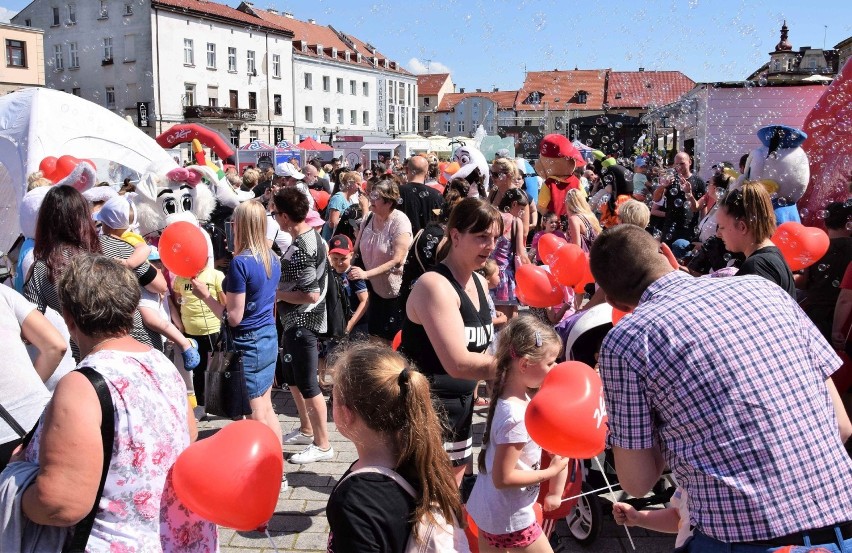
(299, 523)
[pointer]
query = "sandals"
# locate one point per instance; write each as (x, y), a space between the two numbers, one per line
(481, 402)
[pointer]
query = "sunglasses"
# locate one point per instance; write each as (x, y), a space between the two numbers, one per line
(498, 175)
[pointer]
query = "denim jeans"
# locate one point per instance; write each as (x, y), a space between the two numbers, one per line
(699, 543)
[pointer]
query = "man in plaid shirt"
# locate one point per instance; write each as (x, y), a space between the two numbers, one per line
(726, 381)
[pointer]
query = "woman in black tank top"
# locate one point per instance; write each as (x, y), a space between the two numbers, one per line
(447, 325)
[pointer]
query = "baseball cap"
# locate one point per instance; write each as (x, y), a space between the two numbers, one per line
(501, 153)
(341, 244)
(115, 213)
(640, 162)
(286, 169)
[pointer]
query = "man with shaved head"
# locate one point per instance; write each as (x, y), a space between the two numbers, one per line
(418, 200)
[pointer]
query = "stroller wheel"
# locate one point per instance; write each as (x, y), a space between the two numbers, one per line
(586, 519)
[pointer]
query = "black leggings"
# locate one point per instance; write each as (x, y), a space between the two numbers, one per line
(206, 346)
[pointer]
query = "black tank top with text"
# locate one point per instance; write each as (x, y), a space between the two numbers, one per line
(478, 334)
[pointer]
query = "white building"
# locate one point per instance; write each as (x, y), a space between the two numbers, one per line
(177, 60)
(344, 87)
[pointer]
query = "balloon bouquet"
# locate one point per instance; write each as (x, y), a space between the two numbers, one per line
(568, 265)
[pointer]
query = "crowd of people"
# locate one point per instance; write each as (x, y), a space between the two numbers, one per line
(728, 382)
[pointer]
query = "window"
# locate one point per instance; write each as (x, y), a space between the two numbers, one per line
(401, 94)
(104, 9)
(582, 96)
(55, 17)
(812, 63)
(250, 63)
(28, 22)
(57, 57)
(211, 55)
(365, 118)
(189, 94)
(326, 115)
(326, 83)
(212, 96)
(72, 14)
(777, 66)
(276, 104)
(353, 88)
(447, 126)
(110, 97)
(426, 101)
(353, 117)
(188, 54)
(309, 81)
(128, 9)
(461, 126)
(232, 59)
(213, 102)
(253, 136)
(309, 114)
(276, 66)
(427, 122)
(340, 86)
(365, 89)
(16, 53)
(108, 48)
(75, 91)
(340, 116)
(73, 60)
(252, 100)
(129, 47)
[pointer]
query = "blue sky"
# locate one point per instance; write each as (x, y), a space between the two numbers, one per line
(486, 43)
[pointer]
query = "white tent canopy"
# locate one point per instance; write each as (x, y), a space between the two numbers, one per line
(39, 122)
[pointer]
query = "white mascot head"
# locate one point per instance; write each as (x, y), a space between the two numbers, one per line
(472, 166)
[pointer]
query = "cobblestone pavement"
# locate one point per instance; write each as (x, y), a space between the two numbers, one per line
(299, 523)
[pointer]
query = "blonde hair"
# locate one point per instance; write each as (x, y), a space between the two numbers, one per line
(525, 336)
(392, 397)
(32, 177)
(576, 204)
(349, 177)
(505, 165)
(490, 268)
(36, 183)
(634, 212)
(250, 224)
(753, 206)
(251, 177)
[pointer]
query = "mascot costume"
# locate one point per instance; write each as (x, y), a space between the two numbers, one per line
(558, 158)
(781, 165)
(473, 167)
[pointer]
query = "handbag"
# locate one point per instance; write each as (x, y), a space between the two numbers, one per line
(225, 391)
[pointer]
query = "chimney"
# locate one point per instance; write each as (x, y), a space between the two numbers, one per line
(461, 90)
(273, 11)
(288, 15)
(312, 21)
(496, 89)
(479, 90)
(641, 69)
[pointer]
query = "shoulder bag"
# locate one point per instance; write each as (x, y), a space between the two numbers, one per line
(225, 391)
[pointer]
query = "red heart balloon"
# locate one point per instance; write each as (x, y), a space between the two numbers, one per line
(397, 341)
(567, 416)
(48, 167)
(536, 287)
(801, 246)
(64, 166)
(617, 315)
(183, 249)
(232, 478)
(569, 264)
(586, 279)
(547, 246)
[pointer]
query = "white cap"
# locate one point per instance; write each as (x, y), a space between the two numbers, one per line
(115, 213)
(286, 169)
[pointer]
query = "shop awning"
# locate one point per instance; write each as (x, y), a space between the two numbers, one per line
(380, 146)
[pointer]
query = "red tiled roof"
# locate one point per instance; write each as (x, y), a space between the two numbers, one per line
(640, 89)
(430, 85)
(314, 34)
(559, 89)
(203, 7)
(503, 99)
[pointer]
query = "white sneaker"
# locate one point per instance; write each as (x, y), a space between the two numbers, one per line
(297, 438)
(310, 454)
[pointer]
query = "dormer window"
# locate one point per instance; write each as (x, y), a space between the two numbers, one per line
(582, 96)
(534, 98)
(334, 53)
(358, 57)
(618, 95)
(386, 64)
(347, 55)
(320, 51)
(777, 65)
(304, 46)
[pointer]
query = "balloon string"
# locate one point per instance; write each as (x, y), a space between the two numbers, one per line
(587, 493)
(614, 500)
(266, 531)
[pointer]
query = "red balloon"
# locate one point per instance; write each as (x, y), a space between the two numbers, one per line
(397, 341)
(617, 315)
(183, 249)
(472, 533)
(568, 416)
(587, 278)
(232, 478)
(572, 488)
(547, 246)
(539, 514)
(536, 287)
(569, 264)
(801, 246)
(64, 166)
(48, 167)
(321, 198)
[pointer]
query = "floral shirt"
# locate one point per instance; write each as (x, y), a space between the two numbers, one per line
(139, 510)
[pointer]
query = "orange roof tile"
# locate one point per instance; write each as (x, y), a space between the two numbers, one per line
(559, 89)
(503, 99)
(641, 89)
(328, 37)
(430, 85)
(204, 7)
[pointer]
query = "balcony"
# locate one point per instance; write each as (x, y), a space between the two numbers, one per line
(219, 112)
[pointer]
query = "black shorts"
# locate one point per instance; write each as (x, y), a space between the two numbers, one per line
(300, 361)
(384, 316)
(456, 414)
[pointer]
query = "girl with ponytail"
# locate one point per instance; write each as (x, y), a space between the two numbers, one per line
(501, 503)
(383, 405)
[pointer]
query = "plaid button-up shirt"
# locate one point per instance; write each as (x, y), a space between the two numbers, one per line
(728, 376)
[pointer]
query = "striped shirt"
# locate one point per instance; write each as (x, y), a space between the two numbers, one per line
(728, 377)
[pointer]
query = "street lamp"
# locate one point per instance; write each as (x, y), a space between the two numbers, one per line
(331, 133)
